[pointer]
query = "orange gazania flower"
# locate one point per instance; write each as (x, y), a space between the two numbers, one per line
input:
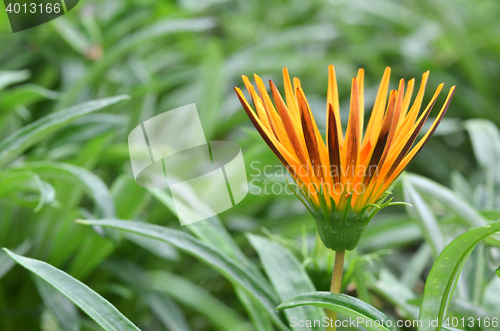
(353, 170)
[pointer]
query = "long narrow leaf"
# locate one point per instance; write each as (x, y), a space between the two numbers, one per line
(446, 197)
(422, 214)
(11, 77)
(94, 185)
(196, 298)
(288, 278)
(25, 137)
(60, 307)
(213, 232)
(232, 270)
(98, 308)
(444, 274)
(350, 307)
(147, 34)
(6, 263)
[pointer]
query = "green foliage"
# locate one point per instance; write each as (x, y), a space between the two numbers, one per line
(443, 277)
(209, 254)
(90, 302)
(71, 91)
(287, 276)
(341, 303)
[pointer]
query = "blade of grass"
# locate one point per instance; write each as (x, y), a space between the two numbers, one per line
(95, 306)
(208, 254)
(19, 141)
(442, 279)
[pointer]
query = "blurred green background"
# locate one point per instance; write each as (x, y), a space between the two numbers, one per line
(166, 54)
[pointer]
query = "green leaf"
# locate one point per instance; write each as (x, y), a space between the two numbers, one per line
(416, 266)
(257, 315)
(94, 185)
(485, 138)
(13, 185)
(70, 33)
(11, 77)
(445, 272)
(167, 311)
(59, 306)
(213, 232)
(92, 250)
(423, 216)
(396, 293)
(212, 82)
(162, 284)
(22, 139)
(197, 299)
(287, 276)
(95, 306)
(491, 299)
(26, 95)
(6, 263)
(129, 198)
(390, 232)
(208, 254)
(343, 304)
(157, 247)
(448, 199)
(142, 36)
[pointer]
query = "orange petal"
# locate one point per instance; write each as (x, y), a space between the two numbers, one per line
(395, 120)
(410, 118)
(281, 153)
(257, 102)
(411, 155)
(351, 143)
(273, 116)
(296, 83)
(323, 173)
(291, 101)
(377, 115)
(410, 137)
(291, 128)
(408, 158)
(333, 145)
(333, 100)
(310, 135)
(381, 144)
(260, 128)
(361, 89)
(406, 101)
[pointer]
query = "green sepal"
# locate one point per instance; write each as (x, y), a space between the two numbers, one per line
(340, 229)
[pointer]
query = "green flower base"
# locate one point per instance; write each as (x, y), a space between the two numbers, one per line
(339, 233)
(341, 229)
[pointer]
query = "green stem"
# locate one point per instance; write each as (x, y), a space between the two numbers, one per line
(338, 268)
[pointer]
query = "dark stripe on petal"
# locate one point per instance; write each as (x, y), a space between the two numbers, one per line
(287, 122)
(309, 135)
(333, 145)
(438, 120)
(264, 135)
(352, 135)
(411, 140)
(381, 141)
